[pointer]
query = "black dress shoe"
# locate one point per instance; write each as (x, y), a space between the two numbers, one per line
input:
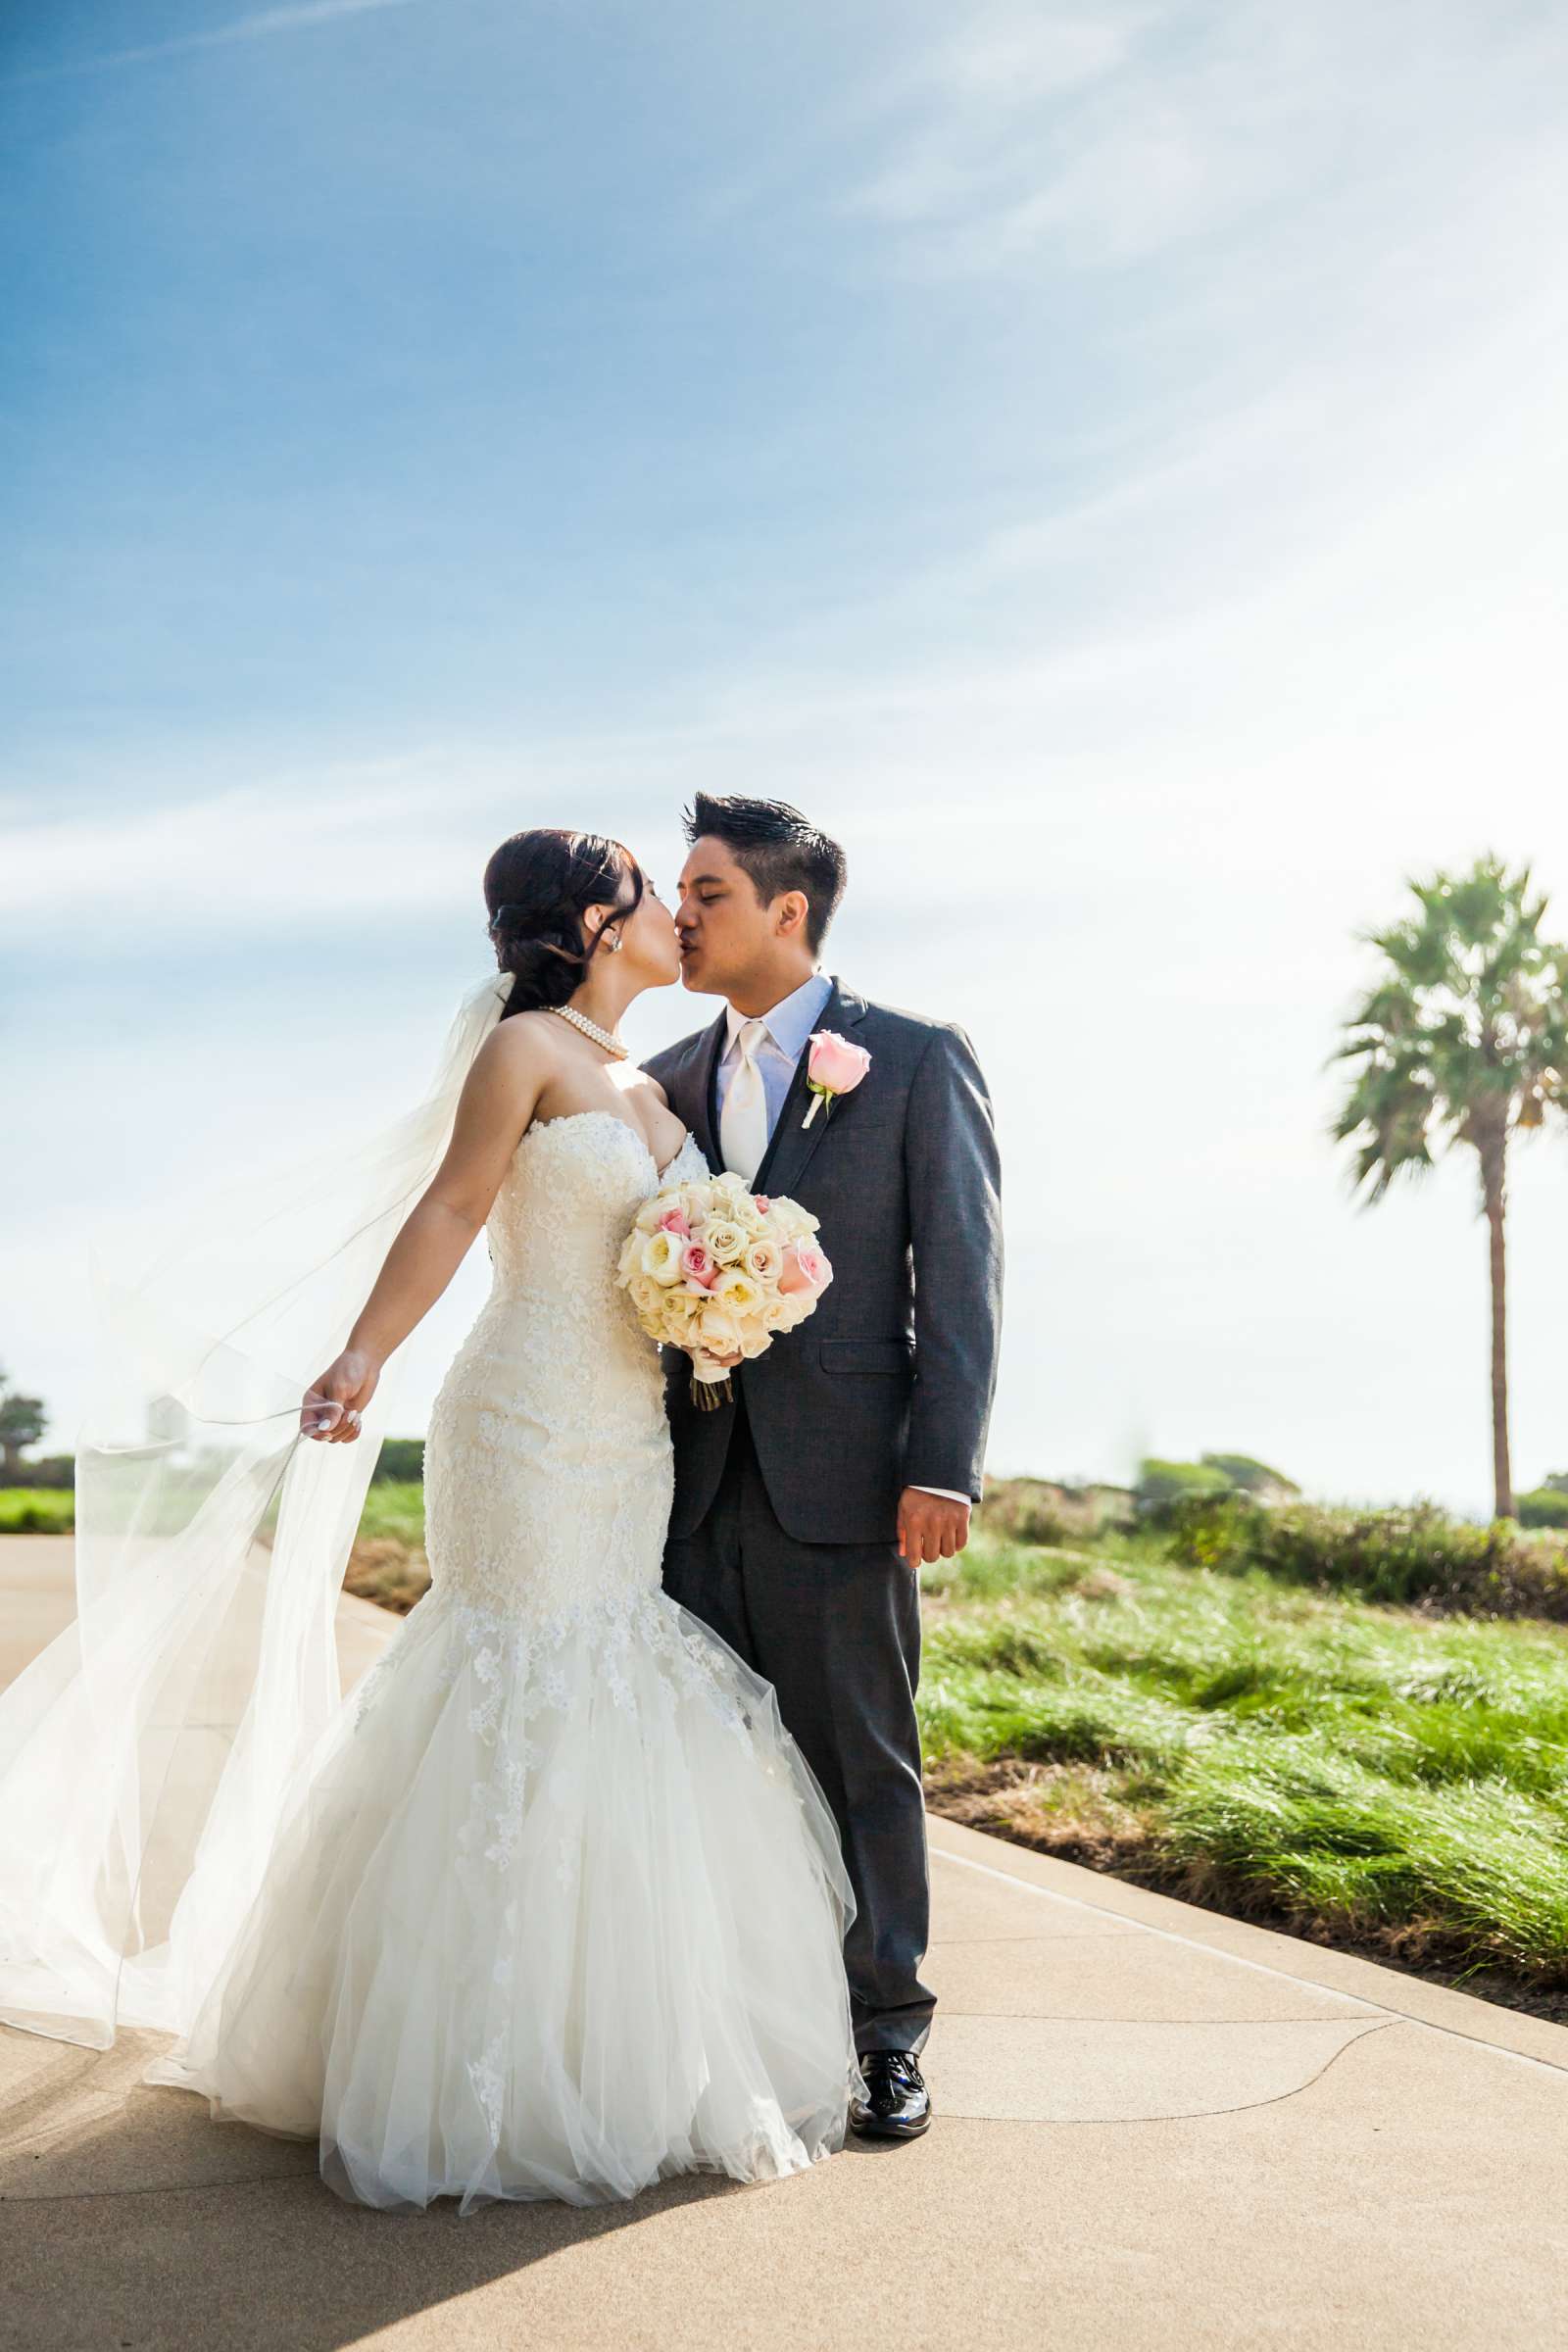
(898, 2104)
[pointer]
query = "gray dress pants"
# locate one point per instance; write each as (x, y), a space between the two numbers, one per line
(836, 1628)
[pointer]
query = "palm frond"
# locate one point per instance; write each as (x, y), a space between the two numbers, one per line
(1465, 1026)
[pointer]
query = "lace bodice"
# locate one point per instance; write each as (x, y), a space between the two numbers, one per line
(566, 1202)
(548, 1467)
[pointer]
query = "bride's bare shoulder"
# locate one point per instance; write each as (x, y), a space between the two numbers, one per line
(523, 1049)
(537, 1032)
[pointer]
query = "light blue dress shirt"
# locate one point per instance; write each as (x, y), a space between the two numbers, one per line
(789, 1028)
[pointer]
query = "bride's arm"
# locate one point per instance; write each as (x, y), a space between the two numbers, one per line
(498, 1100)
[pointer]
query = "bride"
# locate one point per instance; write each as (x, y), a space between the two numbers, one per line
(551, 1905)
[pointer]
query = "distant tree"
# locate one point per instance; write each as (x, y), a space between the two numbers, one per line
(1162, 1482)
(1463, 1039)
(1254, 1477)
(23, 1422)
(57, 1470)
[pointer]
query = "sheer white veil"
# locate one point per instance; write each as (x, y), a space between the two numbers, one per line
(146, 1754)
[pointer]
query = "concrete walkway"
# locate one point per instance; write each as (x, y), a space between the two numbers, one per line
(1156, 2128)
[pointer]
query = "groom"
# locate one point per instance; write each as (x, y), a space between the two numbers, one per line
(854, 1448)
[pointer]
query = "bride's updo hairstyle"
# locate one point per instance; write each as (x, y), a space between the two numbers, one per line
(537, 888)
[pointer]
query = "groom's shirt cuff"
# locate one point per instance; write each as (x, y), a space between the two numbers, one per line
(952, 1492)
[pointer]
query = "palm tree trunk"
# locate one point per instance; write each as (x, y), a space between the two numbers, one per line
(1492, 1188)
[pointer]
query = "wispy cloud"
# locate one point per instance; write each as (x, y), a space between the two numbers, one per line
(329, 843)
(259, 26)
(1105, 141)
(964, 125)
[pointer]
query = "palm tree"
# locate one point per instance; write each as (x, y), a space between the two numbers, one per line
(1463, 1039)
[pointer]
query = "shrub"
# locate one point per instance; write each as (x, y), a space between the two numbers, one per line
(36, 1511)
(1417, 1556)
(401, 1459)
(1546, 1507)
(1040, 1510)
(53, 1470)
(1162, 1483)
(1253, 1477)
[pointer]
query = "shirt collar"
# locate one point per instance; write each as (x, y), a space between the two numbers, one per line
(790, 1021)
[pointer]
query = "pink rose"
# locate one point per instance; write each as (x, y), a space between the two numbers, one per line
(835, 1064)
(806, 1268)
(698, 1266)
(674, 1220)
(761, 1203)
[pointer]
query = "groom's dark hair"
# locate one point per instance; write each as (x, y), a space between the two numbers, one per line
(780, 849)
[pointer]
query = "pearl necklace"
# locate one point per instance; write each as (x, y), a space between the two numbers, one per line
(600, 1037)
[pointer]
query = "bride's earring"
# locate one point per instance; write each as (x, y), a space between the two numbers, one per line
(612, 944)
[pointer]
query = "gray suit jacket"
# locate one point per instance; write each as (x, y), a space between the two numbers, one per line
(890, 1382)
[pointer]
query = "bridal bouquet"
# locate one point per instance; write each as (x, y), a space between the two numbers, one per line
(719, 1271)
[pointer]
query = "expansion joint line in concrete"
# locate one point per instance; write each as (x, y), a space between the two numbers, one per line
(1385, 2009)
(1196, 2115)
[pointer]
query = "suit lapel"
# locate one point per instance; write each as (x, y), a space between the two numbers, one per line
(793, 1143)
(705, 1093)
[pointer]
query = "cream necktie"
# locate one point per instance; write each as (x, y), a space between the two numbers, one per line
(743, 1126)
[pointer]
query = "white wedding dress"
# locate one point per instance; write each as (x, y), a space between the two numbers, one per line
(557, 1910)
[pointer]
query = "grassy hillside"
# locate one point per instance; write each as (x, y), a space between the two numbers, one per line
(1368, 1774)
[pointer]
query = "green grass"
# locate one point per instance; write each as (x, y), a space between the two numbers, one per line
(393, 1509)
(37, 1511)
(1356, 1770)
(387, 1564)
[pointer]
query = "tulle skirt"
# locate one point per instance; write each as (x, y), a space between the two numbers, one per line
(558, 1911)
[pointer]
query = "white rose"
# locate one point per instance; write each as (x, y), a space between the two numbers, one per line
(739, 1291)
(718, 1333)
(725, 1240)
(661, 1256)
(647, 1297)
(788, 1222)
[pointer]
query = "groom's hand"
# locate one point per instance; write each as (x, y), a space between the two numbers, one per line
(930, 1527)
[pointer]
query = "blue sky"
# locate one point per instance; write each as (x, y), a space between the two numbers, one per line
(1105, 465)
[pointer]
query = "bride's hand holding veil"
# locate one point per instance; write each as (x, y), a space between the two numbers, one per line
(334, 1401)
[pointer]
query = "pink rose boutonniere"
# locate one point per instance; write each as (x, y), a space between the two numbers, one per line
(835, 1067)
